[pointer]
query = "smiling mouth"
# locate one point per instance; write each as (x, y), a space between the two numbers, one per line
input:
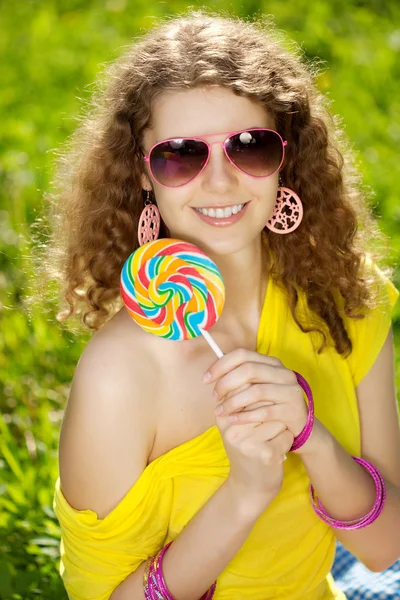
(222, 212)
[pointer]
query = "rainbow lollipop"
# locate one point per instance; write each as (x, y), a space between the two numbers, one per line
(174, 290)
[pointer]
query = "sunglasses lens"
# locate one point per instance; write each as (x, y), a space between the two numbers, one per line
(256, 152)
(177, 162)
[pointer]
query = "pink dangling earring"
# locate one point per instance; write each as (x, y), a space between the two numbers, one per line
(149, 222)
(288, 211)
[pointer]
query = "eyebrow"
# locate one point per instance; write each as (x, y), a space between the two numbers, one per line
(178, 137)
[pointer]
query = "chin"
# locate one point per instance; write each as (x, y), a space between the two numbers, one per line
(215, 245)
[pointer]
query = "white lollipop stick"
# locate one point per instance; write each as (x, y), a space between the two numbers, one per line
(213, 345)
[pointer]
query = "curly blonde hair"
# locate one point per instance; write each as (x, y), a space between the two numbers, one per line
(97, 199)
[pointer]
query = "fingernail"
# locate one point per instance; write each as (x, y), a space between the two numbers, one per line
(215, 395)
(206, 377)
(219, 410)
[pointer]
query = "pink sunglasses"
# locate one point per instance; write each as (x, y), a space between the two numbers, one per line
(177, 161)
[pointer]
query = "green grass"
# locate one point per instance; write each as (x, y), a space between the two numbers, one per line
(52, 53)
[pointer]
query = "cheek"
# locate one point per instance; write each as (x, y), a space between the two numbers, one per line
(170, 203)
(166, 199)
(265, 196)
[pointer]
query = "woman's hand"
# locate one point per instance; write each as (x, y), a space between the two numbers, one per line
(245, 378)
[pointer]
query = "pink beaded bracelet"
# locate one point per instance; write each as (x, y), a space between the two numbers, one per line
(303, 436)
(153, 581)
(362, 521)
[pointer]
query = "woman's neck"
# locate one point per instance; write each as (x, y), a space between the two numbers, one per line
(245, 276)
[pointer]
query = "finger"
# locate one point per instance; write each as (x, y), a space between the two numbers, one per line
(276, 412)
(245, 386)
(242, 376)
(269, 430)
(280, 444)
(267, 393)
(235, 358)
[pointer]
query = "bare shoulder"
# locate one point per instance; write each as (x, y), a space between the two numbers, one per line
(109, 427)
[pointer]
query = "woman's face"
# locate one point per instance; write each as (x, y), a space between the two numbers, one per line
(195, 113)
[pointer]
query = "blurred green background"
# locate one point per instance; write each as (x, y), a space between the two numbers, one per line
(52, 52)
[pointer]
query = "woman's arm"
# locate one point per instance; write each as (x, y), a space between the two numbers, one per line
(203, 549)
(345, 488)
(106, 438)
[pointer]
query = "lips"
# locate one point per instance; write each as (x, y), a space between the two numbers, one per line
(221, 206)
(223, 221)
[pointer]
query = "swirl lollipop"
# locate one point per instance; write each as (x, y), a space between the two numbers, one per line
(174, 290)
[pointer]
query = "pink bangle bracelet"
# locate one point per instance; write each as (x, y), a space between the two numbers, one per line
(303, 436)
(367, 519)
(153, 581)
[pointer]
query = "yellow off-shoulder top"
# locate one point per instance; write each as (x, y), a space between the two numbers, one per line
(290, 551)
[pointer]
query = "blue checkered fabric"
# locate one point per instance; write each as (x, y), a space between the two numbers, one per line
(358, 583)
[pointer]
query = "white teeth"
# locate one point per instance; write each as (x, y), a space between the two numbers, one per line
(221, 213)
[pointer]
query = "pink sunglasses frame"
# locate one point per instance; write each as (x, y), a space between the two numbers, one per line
(229, 134)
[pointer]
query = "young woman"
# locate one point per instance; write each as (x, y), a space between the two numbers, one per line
(209, 124)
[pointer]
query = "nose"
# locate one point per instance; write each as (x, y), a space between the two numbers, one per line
(219, 175)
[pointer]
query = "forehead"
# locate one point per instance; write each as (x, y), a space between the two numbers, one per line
(203, 111)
